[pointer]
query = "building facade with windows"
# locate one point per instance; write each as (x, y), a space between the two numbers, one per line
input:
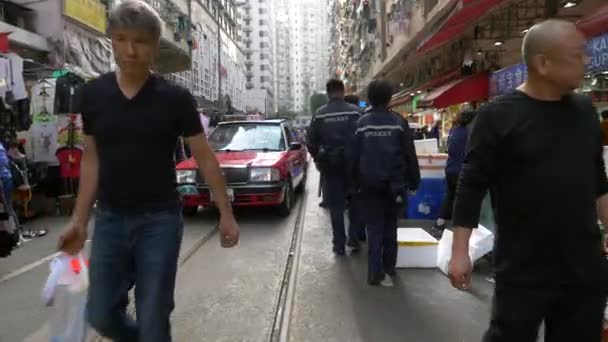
(309, 36)
(259, 46)
(217, 76)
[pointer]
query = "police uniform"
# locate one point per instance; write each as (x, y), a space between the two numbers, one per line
(331, 130)
(384, 169)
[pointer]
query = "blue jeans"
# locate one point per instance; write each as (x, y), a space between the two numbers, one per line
(140, 250)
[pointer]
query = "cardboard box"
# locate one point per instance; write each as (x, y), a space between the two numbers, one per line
(416, 248)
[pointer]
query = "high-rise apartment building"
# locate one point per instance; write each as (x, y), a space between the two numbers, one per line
(309, 33)
(283, 57)
(258, 44)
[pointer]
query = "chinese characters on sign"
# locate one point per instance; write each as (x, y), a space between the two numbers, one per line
(507, 79)
(90, 13)
(597, 49)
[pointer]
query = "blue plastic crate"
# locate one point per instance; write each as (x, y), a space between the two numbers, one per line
(426, 204)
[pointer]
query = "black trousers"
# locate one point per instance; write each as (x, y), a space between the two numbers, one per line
(448, 201)
(570, 314)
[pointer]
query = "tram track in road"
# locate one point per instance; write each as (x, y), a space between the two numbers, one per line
(284, 304)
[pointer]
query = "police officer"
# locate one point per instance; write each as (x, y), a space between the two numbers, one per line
(356, 226)
(331, 130)
(384, 169)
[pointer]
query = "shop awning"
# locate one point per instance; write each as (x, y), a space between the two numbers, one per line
(595, 23)
(467, 12)
(468, 89)
(401, 98)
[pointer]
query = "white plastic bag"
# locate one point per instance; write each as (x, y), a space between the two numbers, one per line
(65, 291)
(480, 244)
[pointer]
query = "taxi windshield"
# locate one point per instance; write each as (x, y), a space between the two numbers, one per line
(247, 137)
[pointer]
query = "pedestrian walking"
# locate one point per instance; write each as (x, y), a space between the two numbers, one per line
(457, 142)
(331, 130)
(540, 149)
(384, 168)
(132, 120)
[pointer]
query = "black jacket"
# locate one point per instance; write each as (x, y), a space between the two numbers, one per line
(383, 153)
(331, 130)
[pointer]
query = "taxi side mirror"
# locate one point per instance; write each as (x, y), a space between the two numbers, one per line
(295, 146)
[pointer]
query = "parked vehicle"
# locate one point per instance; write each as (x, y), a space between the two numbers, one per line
(263, 161)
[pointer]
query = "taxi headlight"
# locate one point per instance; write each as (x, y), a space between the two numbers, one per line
(186, 176)
(264, 174)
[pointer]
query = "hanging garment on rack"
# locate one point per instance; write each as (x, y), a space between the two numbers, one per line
(22, 110)
(68, 91)
(43, 97)
(43, 136)
(17, 84)
(4, 76)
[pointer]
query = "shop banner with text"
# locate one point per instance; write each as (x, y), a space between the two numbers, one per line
(507, 79)
(90, 13)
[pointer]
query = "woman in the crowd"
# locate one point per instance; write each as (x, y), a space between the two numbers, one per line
(457, 142)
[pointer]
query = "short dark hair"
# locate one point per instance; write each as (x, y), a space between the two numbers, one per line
(466, 117)
(354, 99)
(605, 114)
(334, 86)
(379, 93)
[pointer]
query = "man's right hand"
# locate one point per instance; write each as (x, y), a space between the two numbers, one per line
(460, 269)
(73, 238)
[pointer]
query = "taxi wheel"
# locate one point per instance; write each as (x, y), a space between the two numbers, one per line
(285, 207)
(189, 211)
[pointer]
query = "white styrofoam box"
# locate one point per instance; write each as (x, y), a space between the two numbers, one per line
(426, 146)
(432, 165)
(606, 158)
(416, 248)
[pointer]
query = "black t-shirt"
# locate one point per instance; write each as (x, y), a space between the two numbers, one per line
(544, 160)
(68, 89)
(136, 140)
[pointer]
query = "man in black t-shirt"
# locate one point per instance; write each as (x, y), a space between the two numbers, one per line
(539, 148)
(132, 120)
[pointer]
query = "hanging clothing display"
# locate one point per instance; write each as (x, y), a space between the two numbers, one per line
(43, 97)
(17, 83)
(5, 67)
(43, 137)
(68, 90)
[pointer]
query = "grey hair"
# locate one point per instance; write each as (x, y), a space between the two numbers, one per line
(135, 14)
(541, 36)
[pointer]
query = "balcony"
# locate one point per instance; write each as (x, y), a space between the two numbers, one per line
(248, 74)
(247, 40)
(174, 55)
(248, 63)
(247, 28)
(249, 85)
(20, 23)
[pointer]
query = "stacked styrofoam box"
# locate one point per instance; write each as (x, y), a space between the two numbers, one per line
(432, 165)
(606, 158)
(417, 248)
(426, 146)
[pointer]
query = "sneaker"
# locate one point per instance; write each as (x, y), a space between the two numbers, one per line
(354, 245)
(387, 282)
(339, 251)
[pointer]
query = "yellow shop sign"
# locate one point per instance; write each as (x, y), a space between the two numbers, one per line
(91, 13)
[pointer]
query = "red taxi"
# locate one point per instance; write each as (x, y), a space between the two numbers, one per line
(263, 162)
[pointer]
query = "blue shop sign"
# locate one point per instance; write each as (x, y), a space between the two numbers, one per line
(507, 79)
(597, 49)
